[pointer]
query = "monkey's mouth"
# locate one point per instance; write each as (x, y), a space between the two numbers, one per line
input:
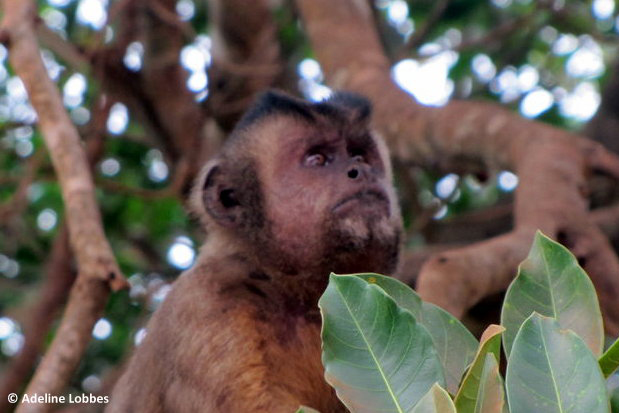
(373, 199)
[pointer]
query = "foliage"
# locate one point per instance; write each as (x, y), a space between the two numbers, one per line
(379, 355)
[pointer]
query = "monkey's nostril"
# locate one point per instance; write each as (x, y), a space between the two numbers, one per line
(353, 173)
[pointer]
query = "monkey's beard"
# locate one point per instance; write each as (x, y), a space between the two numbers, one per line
(356, 242)
(362, 243)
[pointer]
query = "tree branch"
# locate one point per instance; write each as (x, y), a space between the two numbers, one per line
(98, 270)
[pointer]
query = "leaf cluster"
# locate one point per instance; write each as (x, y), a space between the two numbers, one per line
(384, 349)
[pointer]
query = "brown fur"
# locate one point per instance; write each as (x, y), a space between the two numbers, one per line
(240, 331)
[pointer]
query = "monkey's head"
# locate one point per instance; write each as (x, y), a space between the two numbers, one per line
(305, 186)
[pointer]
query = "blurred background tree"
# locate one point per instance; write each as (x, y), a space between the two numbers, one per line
(154, 86)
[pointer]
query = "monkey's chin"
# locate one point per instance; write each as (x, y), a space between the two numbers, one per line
(364, 243)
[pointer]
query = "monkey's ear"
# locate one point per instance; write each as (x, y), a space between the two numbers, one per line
(219, 196)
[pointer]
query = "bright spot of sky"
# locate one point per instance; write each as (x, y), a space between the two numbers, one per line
(536, 102)
(4, 262)
(110, 167)
(158, 171)
(9, 267)
(197, 81)
(440, 214)
(511, 83)
(548, 34)
(185, 9)
(54, 19)
(181, 253)
(58, 3)
(7, 327)
(507, 181)
(73, 90)
(502, 3)
(24, 147)
(138, 290)
(317, 92)
(139, 336)
(13, 344)
(53, 68)
(582, 103)
(398, 16)
(160, 295)
(92, 13)
(587, 60)
(47, 219)
(196, 57)
(564, 44)
(603, 9)
(35, 191)
(528, 76)
(397, 12)
(310, 69)
(133, 56)
(91, 384)
(102, 329)
(80, 115)
(446, 186)
(428, 81)
(118, 119)
(16, 89)
(483, 68)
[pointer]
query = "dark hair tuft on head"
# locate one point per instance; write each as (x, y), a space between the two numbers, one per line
(352, 101)
(272, 102)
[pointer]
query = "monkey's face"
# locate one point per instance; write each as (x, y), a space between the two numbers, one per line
(328, 197)
(306, 186)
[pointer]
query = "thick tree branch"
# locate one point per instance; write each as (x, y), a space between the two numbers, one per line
(552, 164)
(98, 270)
(246, 56)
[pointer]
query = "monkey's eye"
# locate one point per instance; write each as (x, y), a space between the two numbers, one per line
(316, 159)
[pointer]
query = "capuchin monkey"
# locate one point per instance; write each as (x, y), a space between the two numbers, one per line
(299, 190)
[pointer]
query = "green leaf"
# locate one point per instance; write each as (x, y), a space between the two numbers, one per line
(456, 346)
(610, 359)
(551, 282)
(375, 354)
(551, 370)
(305, 409)
(436, 400)
(467, 398)
(490, 395)
(401, 293)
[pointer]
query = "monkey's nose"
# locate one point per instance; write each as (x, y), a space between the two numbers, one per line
(353, 173)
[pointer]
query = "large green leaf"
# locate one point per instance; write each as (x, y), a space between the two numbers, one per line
(456, 346)
(490, 394)
(436, 400)
(551, 370)
(551, 282)
(375, 354)
(610, 359)
(467, 398)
